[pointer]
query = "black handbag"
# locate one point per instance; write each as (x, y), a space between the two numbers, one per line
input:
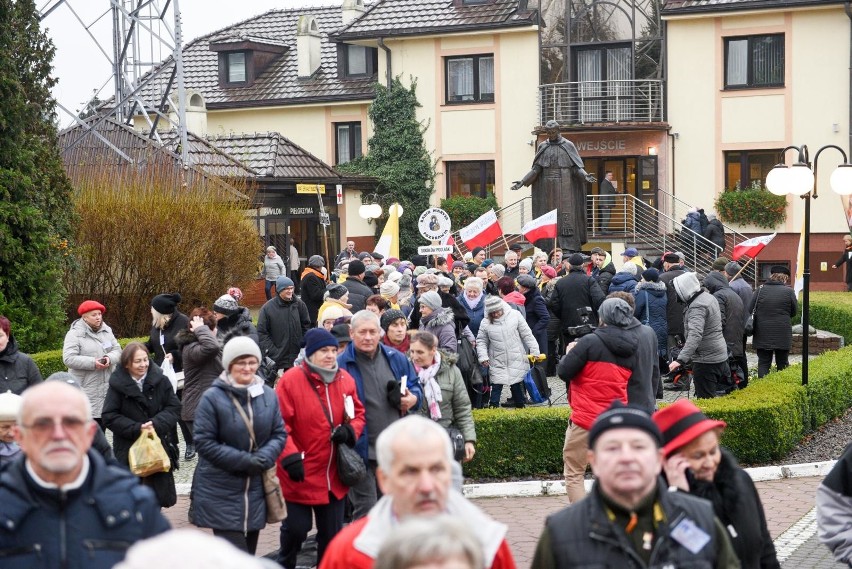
(468, 363)
(457, 438)
(351, 468)
(748, 330)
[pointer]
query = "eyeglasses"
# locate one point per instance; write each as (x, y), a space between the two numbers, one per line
(46, 425)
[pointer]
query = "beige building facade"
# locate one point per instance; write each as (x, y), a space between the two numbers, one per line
(747, 79)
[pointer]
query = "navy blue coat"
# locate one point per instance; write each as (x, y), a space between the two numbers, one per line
(224, 496)
(99, 521)
(624, 282)
(476, 313)
(400, 366)
(538, 317)
(654, 297)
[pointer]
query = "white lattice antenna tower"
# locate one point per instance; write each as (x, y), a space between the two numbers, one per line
(145, 33)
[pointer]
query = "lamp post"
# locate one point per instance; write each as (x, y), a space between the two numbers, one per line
(370, 208)
(800, 179)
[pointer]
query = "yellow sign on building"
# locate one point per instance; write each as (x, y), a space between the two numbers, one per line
(310, 188)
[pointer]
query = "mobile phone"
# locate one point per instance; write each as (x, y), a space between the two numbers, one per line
(690, 477)
(103, 360)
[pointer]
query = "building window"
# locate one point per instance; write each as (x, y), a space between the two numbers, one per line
(470, 79)
(348, 137)
(470, 178)
(743, 168)
(358, 60)
(236, 63)
(754, 61)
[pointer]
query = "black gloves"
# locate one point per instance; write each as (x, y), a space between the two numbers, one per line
(394, 396)
(344, 434)
(294, 466)
(256, 465)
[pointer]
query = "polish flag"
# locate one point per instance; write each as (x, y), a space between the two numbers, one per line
(543, 227)
(448, 240)
(481, 232)
(751, 247)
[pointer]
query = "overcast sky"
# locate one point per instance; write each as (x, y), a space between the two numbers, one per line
(81, 67)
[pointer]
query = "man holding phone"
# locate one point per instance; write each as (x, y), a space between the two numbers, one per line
(385, 400)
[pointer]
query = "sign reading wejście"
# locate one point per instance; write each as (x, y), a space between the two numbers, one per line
(434, 224)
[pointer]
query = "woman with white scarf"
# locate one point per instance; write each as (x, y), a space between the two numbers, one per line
(444, 391)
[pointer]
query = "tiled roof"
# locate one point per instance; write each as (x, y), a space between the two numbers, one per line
(279, 83)
(94, 152)
(272, 155)
(390, 18)
(672, 7)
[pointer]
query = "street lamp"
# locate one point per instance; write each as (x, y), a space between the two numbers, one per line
(370, 208)
(800, 179)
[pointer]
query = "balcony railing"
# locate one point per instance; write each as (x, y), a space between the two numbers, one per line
(614, 101)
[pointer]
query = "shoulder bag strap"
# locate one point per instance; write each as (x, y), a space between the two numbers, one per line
(647, 309)
(245, 419)
(324, 410)
(756, 301)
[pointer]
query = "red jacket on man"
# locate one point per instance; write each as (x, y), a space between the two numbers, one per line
(309, 432)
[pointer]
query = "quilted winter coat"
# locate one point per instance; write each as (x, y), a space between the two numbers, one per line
(652, 302)
(504, 343)
(81, 348)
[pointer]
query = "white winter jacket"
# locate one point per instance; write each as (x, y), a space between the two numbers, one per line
(505, 343)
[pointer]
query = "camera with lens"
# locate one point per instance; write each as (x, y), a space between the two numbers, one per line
(585, 327)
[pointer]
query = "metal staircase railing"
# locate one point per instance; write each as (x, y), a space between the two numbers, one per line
(649, 230)
(680, 208)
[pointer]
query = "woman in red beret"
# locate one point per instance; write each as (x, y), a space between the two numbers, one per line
(91, 352)
(695, 463)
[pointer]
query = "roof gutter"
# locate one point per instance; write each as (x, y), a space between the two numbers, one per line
(388, 73)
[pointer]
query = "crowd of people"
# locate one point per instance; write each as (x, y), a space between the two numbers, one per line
(387, 358)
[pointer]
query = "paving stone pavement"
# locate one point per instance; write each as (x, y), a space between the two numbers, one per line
(785, 502)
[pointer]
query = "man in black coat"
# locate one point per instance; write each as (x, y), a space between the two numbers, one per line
(846, 259)
(281, 324)
(732, 310)
(313, 286)
(672, 268)
(574, 291)
(601, 272)
(536, 310)
(354, 283)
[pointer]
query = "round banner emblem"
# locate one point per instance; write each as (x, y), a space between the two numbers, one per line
(434, 224)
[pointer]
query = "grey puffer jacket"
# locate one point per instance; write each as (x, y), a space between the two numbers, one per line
(18, 371)
(442, 324)
(743, 289)
(702, 321)
(224, 495)
(504, 343)
(455, 404)
(81, 348)
(202, 364)
(731, 309)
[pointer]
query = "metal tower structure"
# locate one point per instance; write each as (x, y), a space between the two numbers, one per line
(145, 53)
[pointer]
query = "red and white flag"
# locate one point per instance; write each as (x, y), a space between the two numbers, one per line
(752, 247)
(543, 227)
(448, 240)
(481, 232)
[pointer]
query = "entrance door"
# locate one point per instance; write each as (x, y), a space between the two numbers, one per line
(307, 237)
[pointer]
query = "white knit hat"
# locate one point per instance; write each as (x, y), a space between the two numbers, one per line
(237, 347)
(10, 405)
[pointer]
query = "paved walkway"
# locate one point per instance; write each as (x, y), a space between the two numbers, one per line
(788, 504)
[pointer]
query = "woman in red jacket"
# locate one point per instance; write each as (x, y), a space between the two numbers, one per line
(320, 407)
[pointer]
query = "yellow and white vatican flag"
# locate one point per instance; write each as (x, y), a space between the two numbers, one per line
(388, 244)
(800, 263)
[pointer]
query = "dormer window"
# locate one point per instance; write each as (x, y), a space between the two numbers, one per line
(358, 60)
(236, 67)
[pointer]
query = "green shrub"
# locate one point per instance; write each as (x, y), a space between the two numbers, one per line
(831, 311)
(751, 206)
(464, 210)
(51, 361)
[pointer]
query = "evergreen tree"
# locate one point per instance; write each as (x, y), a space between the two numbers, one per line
(36, 216)
(398, 158)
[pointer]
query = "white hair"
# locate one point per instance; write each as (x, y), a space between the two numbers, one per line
(473, 282)
(364, 316)
(158, 320)
(539, 255)
(416, 428)
(428, 539)
(189, 549)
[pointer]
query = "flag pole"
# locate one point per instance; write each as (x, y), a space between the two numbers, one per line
(742, 269)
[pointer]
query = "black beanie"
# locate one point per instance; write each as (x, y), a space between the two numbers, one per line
(356, 268)
(621, 416)
(165, 303)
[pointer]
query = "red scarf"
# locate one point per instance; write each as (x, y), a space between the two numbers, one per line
(403, 347)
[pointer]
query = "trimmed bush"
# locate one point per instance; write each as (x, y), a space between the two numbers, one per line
(765, 421)
(51, 361)
(831, 311)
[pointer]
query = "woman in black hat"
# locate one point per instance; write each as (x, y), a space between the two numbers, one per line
(773, 305)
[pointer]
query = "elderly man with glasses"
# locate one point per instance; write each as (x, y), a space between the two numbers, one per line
(62, 505)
